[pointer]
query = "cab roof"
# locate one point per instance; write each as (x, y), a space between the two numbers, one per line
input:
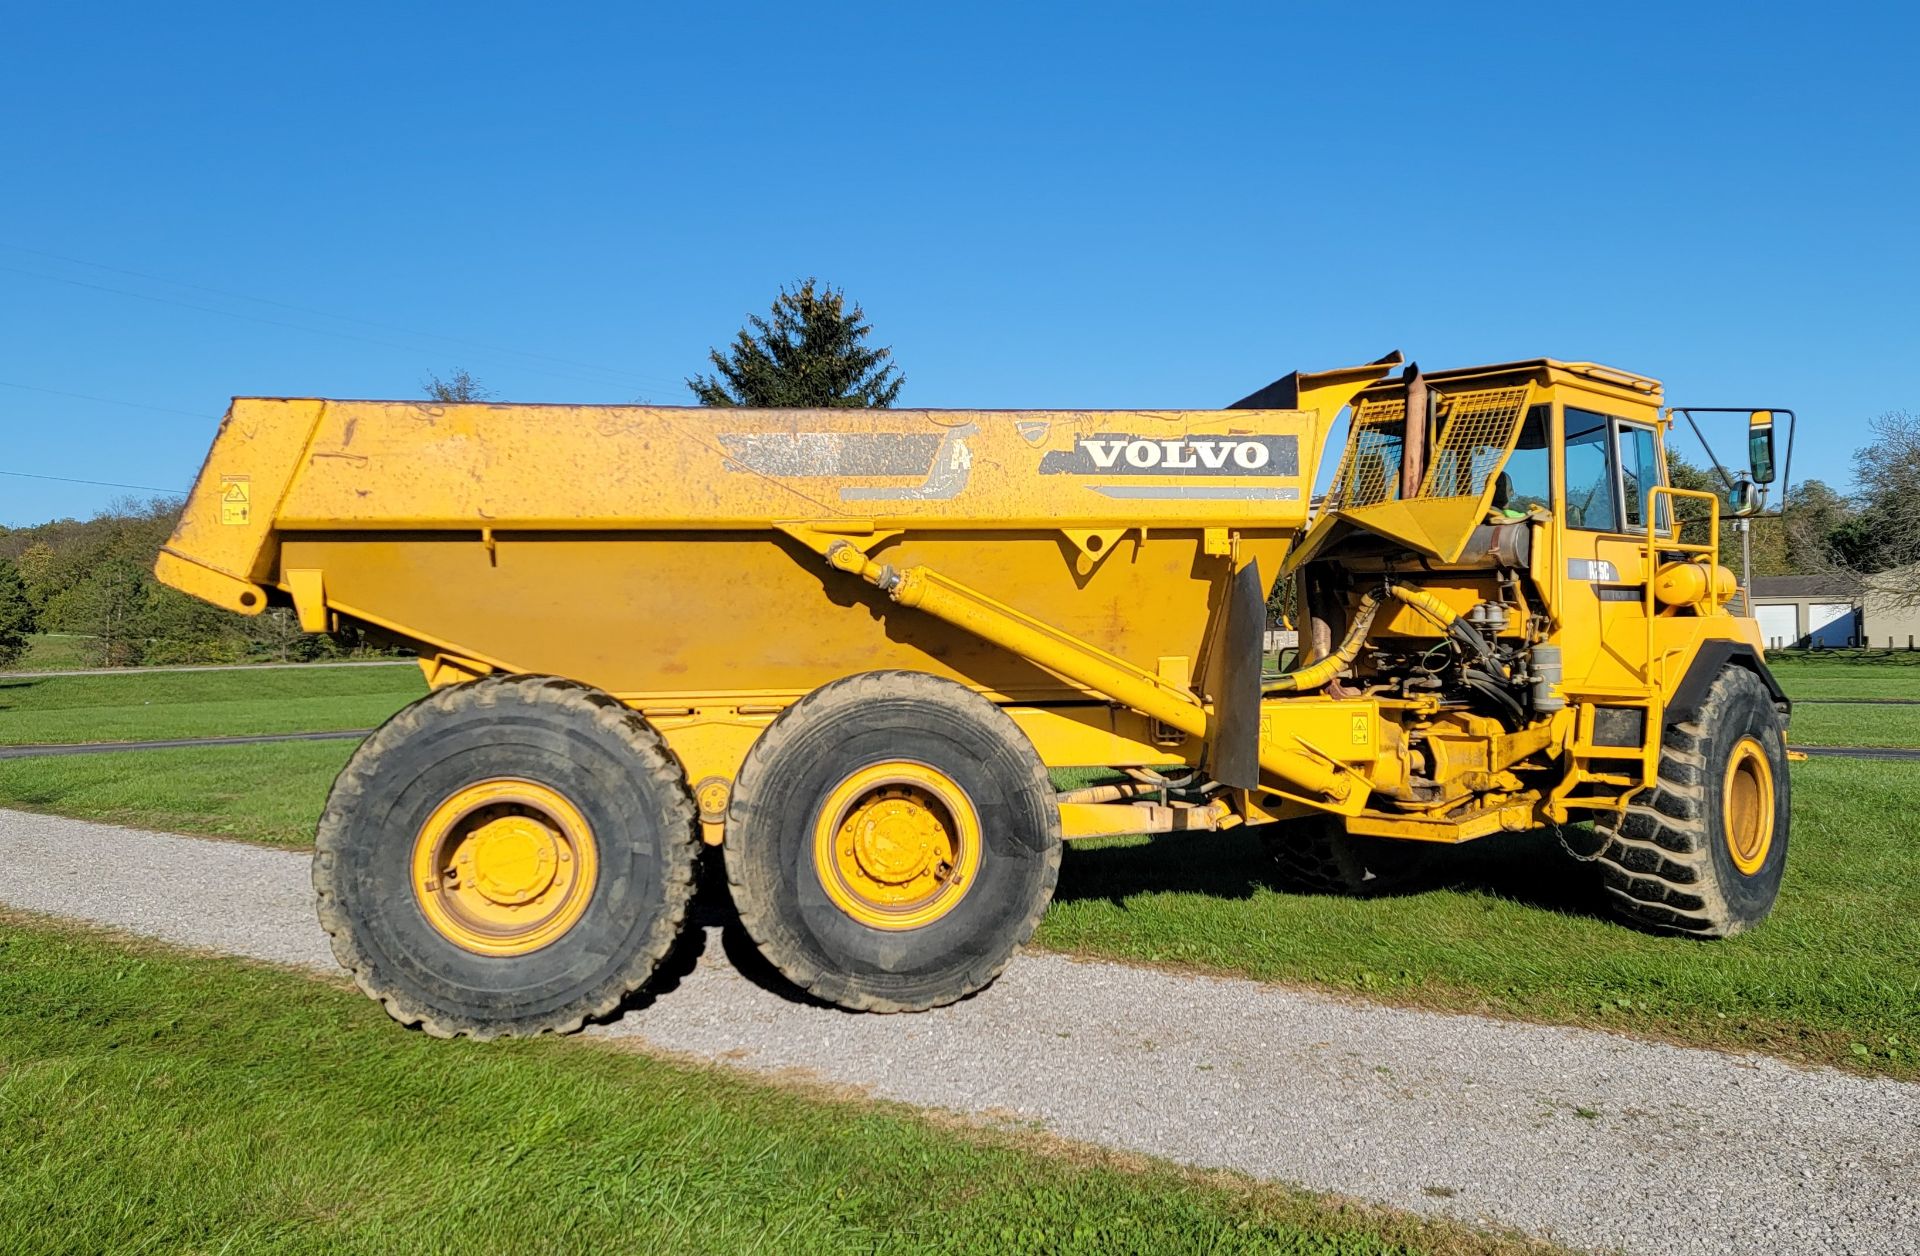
(1590, 377)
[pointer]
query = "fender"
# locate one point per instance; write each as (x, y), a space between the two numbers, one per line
(1707, 662)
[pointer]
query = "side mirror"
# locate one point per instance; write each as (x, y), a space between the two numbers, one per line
(1743, 498)
(1760, 446)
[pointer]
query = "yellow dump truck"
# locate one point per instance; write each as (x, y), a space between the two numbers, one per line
(848, 647)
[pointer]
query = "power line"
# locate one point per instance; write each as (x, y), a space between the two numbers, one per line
(616, 372)
(67, 479)
(131, 405)
(345, 318)
(270, 322)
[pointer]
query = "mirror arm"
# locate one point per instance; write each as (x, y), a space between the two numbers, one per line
(1701, 436)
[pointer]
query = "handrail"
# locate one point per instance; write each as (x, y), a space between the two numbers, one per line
(1710, 549)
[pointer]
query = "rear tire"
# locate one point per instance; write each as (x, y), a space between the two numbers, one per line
(1702, 853)
(506, 857)
(1316, 855)
(891, 841)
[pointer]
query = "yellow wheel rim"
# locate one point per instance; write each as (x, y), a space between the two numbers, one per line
(897, 845)
(504, 867)
(1746, 805)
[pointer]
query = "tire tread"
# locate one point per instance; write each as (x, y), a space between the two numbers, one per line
(1656, 865)
(679, 850)
(756, 914)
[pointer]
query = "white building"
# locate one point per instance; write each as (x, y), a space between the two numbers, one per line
(1807, 610)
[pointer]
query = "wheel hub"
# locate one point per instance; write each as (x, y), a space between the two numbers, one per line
(511, 859)
(896, 838)
(896, 845)
(504, 867)
(1746, 806)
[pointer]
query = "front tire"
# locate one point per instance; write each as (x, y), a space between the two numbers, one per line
(1702, 853)
(891, 841)
(506, 857)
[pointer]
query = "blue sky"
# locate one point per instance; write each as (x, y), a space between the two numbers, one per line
(1100, 205)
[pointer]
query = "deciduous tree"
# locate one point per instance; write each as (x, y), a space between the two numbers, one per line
(459, 386)
(1884, 547)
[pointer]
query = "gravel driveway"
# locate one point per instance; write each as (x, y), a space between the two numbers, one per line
(1588, 1138)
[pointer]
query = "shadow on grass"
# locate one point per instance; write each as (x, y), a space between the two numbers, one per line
(1528, 868)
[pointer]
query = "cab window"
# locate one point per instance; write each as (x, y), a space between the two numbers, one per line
(1591, 503)
(1527, 480)
(1640, 471)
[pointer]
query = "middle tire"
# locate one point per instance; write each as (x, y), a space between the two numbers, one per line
(892, 840)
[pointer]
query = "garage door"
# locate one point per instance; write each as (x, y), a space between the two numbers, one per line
(1832, 623)
(1779, 625)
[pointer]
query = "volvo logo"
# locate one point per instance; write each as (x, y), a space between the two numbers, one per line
(1176, 455)
(1186, 455)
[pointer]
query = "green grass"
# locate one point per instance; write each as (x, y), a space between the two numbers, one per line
(1805, 677)
(1851, 674)
(53, 652)
(266, 793)
(154, 1102)
(136, 706)
(1816, 724)
(1871, 656)
(1833, 976)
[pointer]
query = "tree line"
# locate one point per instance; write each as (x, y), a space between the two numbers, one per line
(93, 578)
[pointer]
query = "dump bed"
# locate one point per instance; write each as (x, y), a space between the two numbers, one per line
(652, 550)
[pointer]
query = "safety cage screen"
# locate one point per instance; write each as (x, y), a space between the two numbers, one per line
(1476, 430)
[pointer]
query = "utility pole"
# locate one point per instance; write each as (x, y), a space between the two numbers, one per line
(1746, 565)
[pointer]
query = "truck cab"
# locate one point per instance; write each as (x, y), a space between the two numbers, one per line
(1526, 510)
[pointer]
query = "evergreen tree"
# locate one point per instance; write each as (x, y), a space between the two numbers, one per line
(16, 614)
(808, 353)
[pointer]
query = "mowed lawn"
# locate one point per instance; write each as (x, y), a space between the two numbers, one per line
(151, 1101)
(1851, 696)
(1854, 724)
(56, 651)
(1849, 674)
(269, 793)
(147, 706)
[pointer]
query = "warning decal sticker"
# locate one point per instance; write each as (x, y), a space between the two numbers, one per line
(236, 499)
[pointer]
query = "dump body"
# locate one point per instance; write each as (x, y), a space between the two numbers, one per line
(650, 551)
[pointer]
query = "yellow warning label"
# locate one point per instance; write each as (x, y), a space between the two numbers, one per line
(236, 499)
(1360, 731)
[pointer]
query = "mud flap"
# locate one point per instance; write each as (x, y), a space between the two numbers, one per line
(1233, 742)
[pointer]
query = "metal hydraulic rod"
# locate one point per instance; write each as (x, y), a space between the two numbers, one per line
(1062, 653)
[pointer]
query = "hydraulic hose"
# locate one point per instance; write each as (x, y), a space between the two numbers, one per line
(1424, 602)
(1314, 675)
(1440, 613)
(1489, 678)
